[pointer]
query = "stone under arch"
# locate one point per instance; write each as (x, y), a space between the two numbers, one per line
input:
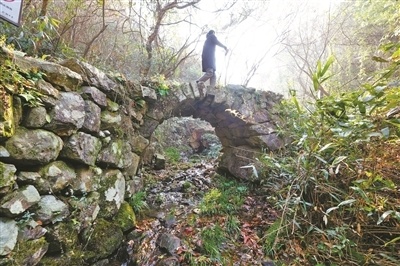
(243, 119)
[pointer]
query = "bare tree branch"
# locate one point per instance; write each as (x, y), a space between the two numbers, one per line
(104, 27)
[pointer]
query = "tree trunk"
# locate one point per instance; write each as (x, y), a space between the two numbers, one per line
(43, 11)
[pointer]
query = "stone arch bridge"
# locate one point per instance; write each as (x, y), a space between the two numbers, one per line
(243, 118)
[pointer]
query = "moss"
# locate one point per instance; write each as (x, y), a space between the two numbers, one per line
(7, 123)
(126, 217)
(63, 260)
(103, 240)
(7, 178)
(25, 251)
(65, 248)
(186, 186)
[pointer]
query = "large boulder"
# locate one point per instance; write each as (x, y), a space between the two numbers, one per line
(29, 147)
(81, 147)
(55, 74)
(68, 115)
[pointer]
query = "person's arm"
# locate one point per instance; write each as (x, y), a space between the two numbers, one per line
(221, 45)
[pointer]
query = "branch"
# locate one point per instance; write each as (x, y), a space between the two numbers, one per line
(89, 45)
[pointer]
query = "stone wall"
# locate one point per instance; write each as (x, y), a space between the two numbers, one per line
(68, 162)
(71, 145)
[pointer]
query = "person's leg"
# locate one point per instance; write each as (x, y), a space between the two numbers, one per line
(213, 80)
(209, 74)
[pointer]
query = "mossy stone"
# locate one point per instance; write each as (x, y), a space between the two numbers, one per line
(7, 122)
(30, 252)
(104, 238)
(126, 217)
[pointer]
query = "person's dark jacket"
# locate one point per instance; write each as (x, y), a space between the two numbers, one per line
(208, 55)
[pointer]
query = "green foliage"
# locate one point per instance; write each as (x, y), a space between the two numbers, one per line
(21, 83)
(227, 198)
(140, 102)
(319, 76)
(35, 36)
(212, 239)
(271, 238)
(232, 225)
(158, 83)
(337, 172)
(138, 202)
(172, 154)
(220, 224)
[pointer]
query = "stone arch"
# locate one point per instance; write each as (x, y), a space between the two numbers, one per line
(243, 119)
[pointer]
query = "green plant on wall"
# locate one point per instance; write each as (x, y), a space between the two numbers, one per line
(159, 84)
(15, 81)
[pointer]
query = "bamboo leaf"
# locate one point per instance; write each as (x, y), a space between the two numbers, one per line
(339, 159)
(327, 64)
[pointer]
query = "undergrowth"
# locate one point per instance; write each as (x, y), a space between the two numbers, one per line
(336, 183)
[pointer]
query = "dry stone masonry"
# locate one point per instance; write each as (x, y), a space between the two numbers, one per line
(69, 164)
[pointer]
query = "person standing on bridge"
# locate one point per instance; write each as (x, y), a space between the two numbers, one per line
(208, 61)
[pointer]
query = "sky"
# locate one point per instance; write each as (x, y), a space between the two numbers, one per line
(256, 38)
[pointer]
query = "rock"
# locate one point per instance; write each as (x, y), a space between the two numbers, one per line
(30, 178)
(28, 147)
(30, 252)
(92, 118)
(95, 95)
(68, 114)
(159, 161)
(51, 210)
(50, 95)
(86, 209)
(138, 143)
(3, 152)
(55, 177)
(125, 217)
(110, 120)
(272, 141)
(87, 179)
(19, 201)
(81, 147)
(102, 240)
(149, 94)
(35, 117)
(7, 176)
(64, 245)
(30, 232)
(91, 75)
(132, 170)
(54, 73)
(133, 186)
(8, 235)
(169, 242)
(117, 154)
(236, 162)
(112, 193)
